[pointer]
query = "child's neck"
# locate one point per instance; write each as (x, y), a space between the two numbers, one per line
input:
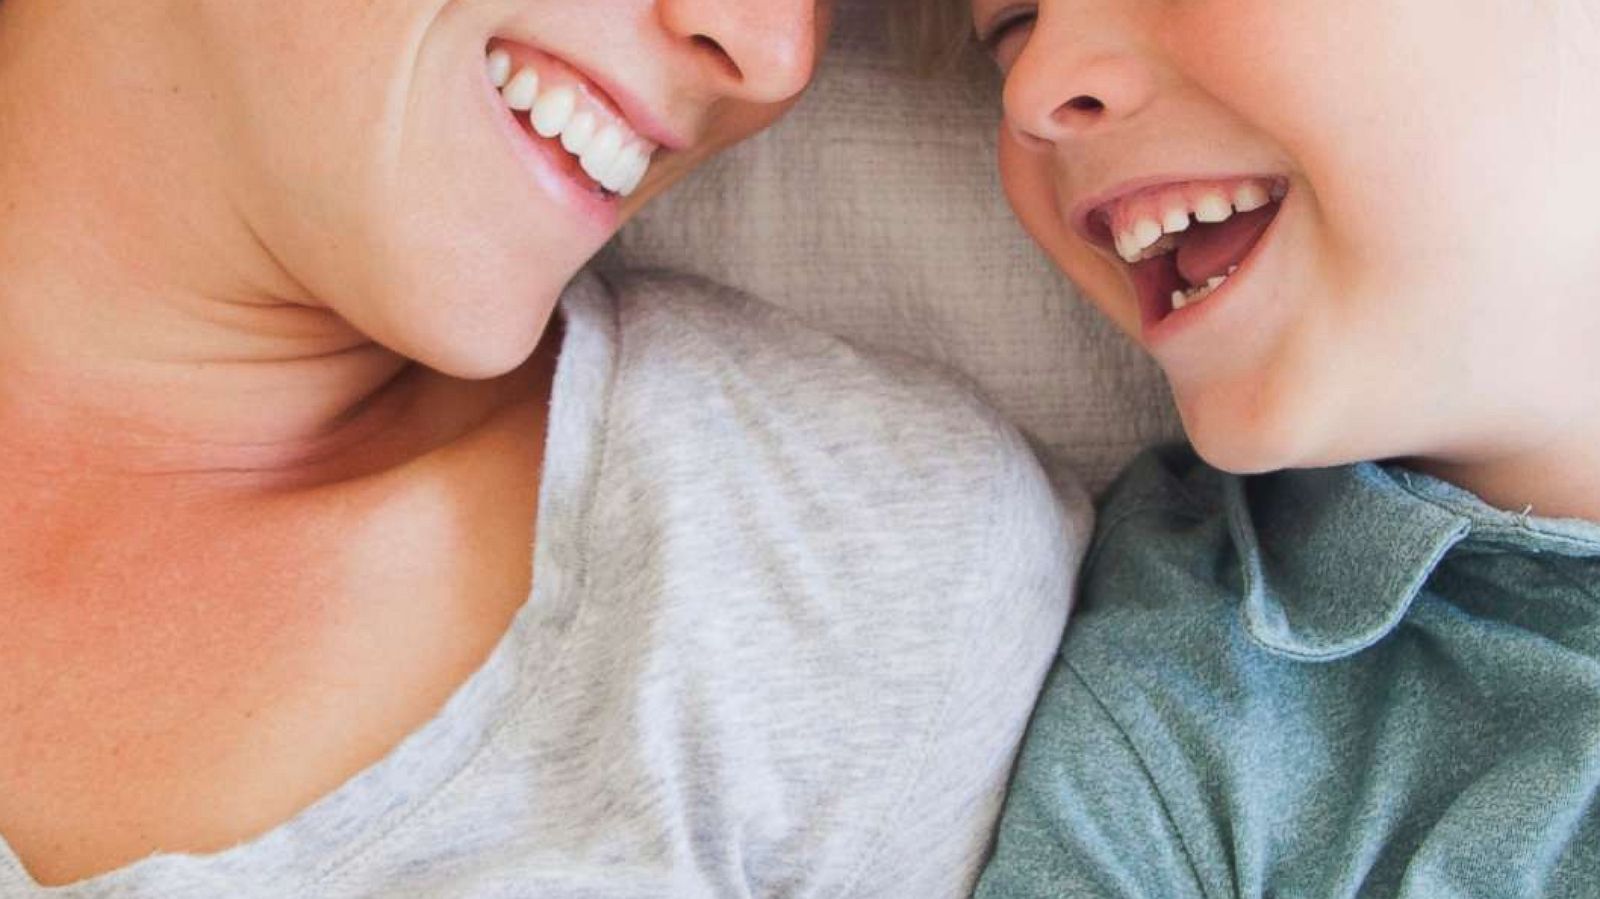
(1560, 479)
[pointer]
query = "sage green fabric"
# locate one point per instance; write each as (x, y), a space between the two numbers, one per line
(1347, 682)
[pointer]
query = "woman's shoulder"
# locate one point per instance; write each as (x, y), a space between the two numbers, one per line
(794, 474)
(759, 392)
(710, 333)
(848, 556)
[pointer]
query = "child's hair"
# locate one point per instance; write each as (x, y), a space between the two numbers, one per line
(933, 35)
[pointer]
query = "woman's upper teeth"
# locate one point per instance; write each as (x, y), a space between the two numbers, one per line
(1142, 225)
(607, 149)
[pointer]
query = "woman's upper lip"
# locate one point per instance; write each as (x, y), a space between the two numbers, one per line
(644, 121)
(638, 113)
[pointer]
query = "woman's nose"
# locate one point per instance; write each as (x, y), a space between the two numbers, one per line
(761, 51)
(1067, 85)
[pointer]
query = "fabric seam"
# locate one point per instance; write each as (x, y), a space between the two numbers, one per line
(1145, 769)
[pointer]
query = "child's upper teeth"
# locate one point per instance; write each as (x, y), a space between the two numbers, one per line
(607, 150)
(1131, 250)
(1212, 208)
(1145, 233)
(1138, 235)
(1250, 197)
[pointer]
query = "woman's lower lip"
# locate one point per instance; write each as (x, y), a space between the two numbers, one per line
(547, 163)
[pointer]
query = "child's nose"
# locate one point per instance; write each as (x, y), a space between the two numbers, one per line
(762, 52)
(1060, 90)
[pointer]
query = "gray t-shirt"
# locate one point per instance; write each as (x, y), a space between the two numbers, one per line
(792, 604)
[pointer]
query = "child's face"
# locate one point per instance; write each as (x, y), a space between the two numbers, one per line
(1421, 279)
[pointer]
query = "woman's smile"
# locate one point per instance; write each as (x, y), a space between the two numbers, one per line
(586, 151)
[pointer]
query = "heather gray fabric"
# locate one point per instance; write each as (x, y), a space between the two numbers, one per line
(792, 606)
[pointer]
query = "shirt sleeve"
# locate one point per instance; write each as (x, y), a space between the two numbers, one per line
(1084, 817)
(938, 835)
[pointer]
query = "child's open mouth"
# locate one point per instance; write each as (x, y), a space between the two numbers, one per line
(1184, 240)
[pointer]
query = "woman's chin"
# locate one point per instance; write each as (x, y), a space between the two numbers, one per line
(475, 341)
(480, 361)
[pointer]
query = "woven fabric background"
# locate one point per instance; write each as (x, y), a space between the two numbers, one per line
(874, 211)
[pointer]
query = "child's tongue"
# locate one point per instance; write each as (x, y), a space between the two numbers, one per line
(1207, 251)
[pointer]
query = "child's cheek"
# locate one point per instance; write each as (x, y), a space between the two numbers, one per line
(1030, 182)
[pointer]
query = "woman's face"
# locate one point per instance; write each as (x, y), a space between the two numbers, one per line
(1378, 216)
(369, 152)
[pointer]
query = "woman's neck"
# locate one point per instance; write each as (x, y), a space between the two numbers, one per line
(142, 326)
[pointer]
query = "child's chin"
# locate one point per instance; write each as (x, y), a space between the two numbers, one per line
(1246, 445)
(1236, 459)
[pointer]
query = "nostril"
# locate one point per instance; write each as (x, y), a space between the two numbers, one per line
(723, 58)
(1082, 111)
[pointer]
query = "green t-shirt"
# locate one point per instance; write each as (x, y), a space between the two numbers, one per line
(1357, 681)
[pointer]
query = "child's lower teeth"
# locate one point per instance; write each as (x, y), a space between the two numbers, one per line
(1182, 298)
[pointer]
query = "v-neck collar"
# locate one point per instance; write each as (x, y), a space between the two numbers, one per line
(292, 857)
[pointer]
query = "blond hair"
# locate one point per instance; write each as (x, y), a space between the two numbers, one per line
(933, 35)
